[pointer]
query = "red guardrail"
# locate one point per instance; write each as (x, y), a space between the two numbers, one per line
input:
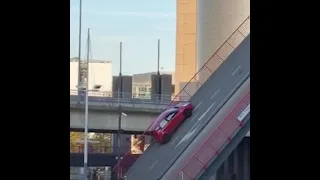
(213, 145)
(197, 81)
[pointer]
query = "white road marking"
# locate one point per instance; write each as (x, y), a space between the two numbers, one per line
(203, 115)
(197, 106)
(174, 140)
(194, 117)
(186, 137)
(195, 124)
(153, 165)
(215, 94)
(235, 71)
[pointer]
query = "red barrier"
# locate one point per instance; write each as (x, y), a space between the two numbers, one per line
(197, 81)
(219, 137)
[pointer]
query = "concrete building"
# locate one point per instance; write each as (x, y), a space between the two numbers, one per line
(202, 27)
(100, 76)
(126, 86)
(144, 84)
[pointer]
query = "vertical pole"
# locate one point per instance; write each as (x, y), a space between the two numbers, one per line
(86, 111)
(158, 73)
(79, 50)
(120, 113)
(120, 74)
(158, 60)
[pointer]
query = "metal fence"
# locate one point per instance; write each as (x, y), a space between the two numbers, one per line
(122, 97)
(95, 148)
(198, 80)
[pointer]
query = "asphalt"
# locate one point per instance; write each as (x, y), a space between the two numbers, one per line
(207, 101)
(206, 132)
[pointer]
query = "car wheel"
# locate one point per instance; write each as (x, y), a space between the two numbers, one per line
(166, 138)
(187, 113)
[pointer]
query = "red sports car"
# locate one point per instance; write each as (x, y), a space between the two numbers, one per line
(168, 121)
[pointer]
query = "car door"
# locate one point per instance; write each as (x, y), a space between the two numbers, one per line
(170, 125)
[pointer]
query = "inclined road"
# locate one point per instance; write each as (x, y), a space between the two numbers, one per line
(155, 162)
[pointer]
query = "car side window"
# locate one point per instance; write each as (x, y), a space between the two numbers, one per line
(163, 123)
(170, 116)
(157, 128)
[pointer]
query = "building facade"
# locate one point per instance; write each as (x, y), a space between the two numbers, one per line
(186, 38)
(100, 76)
(202, 27)
(142, 84)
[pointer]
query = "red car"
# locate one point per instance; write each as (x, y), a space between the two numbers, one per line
(165, 125)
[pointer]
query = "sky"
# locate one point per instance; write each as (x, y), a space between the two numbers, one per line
(137, 23)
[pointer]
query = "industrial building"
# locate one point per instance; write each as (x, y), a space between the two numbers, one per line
(100, 76)
(142, 83)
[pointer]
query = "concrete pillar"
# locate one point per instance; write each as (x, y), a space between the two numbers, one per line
(226, 172)
(166, 87)
(126, 86)
(154, 86)
(115, 86)
(220, 173)
(239, 161)
(246, 161)
(125, 143)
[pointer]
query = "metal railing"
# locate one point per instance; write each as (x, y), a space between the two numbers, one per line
(199, 78)
(123, 97)
(216, 141)
(95, 148)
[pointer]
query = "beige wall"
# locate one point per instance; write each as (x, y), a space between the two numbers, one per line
(186, 64)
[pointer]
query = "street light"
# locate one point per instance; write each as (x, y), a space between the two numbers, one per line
(79, 50)
(85, 158)
(119, 140)
(120, 95)
(158, 73)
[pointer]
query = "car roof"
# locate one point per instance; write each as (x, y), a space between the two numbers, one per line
(162, 115)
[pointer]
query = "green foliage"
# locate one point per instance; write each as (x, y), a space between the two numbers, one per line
(105, 141)
(75, 137)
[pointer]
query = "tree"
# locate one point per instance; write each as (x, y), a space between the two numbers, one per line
(104, 142)
(74, 138)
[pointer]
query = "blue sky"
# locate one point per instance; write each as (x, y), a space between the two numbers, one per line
(137, 23)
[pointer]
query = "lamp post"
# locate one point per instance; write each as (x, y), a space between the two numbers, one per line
(158, 73)
(79, 48)
(85, 161)
(120, 113)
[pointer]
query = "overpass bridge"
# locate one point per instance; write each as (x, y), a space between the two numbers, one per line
(104, 112)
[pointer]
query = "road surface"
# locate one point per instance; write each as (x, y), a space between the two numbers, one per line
(207, 101)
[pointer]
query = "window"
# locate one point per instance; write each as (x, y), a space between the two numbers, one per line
(163, 123)
(170, 116)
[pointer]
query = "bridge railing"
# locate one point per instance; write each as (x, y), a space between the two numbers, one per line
(122, 97)
(95, 148)
(215, 142)
(198, 80)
